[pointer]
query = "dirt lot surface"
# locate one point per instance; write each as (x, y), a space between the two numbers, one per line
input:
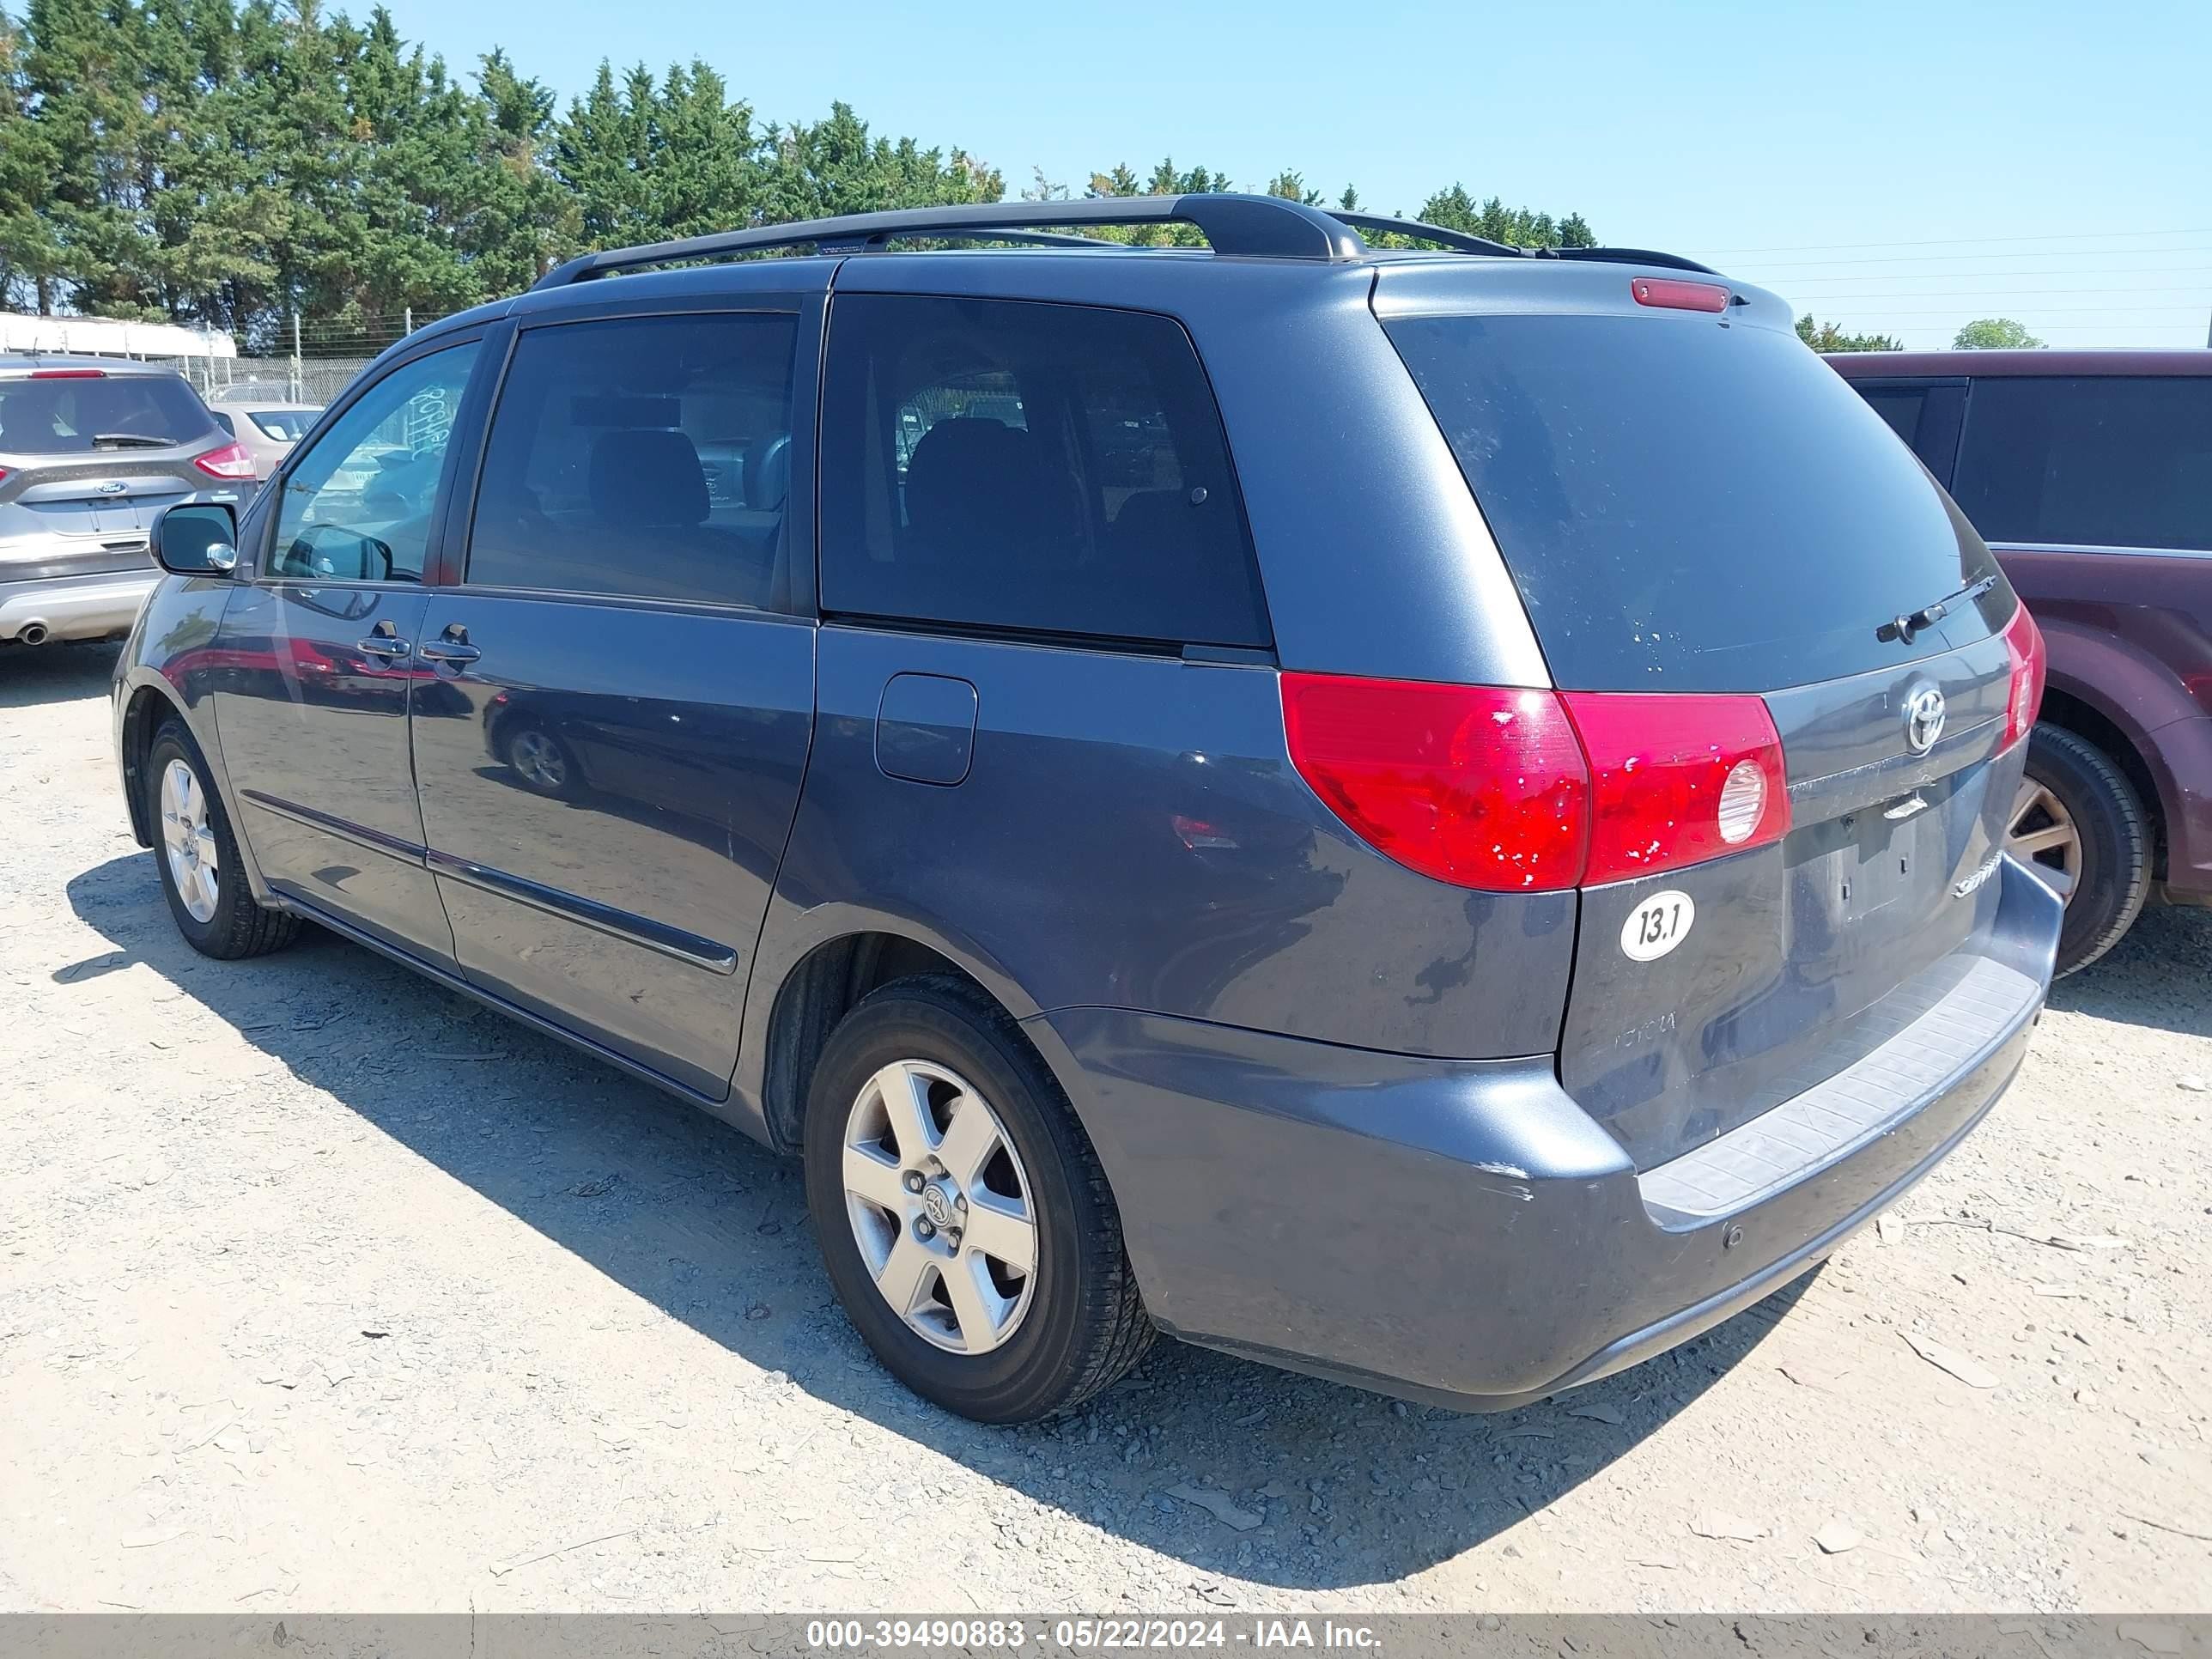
(323, 1288)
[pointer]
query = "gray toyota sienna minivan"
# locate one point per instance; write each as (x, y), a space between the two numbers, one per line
(1432, 818)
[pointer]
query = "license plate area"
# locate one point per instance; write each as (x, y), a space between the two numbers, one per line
(1883, 868)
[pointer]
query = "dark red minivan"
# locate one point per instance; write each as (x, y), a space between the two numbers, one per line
(2090, 473)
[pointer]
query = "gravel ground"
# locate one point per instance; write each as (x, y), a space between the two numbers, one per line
(323, 1288)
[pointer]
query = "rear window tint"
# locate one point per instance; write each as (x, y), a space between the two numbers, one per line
(2083, 461)
(1690, 506)
(1043, 468)
(69, 416)
(1899, 405)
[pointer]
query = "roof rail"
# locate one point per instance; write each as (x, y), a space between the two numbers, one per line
(1629, 256)
(1421, 231)
(1251, 227)
(1467, 243)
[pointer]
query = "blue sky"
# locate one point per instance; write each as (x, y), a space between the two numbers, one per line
(1891, 166)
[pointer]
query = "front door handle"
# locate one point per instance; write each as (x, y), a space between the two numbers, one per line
(451, 645)
(384, 641)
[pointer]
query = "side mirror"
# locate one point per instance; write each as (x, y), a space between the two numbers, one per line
(195, 540)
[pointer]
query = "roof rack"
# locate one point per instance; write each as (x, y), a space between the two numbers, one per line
(1420, 231)
(1248, 226)
(1252, 227)
(1627, 256)
(1465, 242)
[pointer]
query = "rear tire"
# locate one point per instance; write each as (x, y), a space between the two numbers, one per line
(1073, 1324)
(2109, 849)
(203, 876)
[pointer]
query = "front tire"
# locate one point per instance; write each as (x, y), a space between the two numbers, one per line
(964, 1220)
(2078, 824)
(203, 876)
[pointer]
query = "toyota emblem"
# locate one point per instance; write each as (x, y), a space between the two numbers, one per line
(1923, 719)
(113, 487)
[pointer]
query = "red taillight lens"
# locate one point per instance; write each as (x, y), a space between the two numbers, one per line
(1523, 791)
(1670, 296)
(1480, 785)
(1676, 780)
(231, 463)
(68, 373)
(2024, 646)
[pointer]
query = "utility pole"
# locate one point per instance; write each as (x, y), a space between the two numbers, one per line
(296, 356)
(409, 316)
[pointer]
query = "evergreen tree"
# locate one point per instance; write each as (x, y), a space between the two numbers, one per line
(235, 164)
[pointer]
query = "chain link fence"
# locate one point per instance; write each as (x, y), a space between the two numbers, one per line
(322, 360)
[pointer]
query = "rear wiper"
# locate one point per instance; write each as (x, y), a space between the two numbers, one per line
(132, 440)
(1905, 626)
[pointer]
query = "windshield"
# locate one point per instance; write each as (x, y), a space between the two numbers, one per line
(285, 425)
(63, 416)
(1687, 506)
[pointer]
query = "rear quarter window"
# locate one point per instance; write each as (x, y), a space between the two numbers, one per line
(1037, 468)
(1689, 506)
(2089, 461)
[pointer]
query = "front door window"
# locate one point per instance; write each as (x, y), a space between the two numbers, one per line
(357, 507)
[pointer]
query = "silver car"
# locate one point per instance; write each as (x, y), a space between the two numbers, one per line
(266, 429)
(91, 450)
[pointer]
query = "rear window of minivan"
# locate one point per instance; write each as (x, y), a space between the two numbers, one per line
(1689, 506)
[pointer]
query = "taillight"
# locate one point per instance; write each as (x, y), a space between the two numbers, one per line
(231, 463)
(2024, 647)
(1478, 786)
(69, 374)
(1677, 779)
(1669, 294)
(1525, 791)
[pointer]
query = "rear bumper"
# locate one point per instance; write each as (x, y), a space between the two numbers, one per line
(75, 607)
(1462, 1232)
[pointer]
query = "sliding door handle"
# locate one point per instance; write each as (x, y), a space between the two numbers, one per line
(451, 645)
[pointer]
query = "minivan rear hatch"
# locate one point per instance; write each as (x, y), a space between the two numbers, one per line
(1692, 504)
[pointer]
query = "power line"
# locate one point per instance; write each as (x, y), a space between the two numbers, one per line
(2001, 275)
(2007, 293)
(2009, 253)
(1968, 241)
(2033, 312)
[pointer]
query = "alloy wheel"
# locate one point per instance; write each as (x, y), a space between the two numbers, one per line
(941, 1207)
(188, 840)
(2042, 835)
(539, 759)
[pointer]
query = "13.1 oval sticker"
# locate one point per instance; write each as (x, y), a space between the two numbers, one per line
(1657, 925)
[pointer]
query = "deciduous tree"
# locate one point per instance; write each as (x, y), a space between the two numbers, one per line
(1994, 334)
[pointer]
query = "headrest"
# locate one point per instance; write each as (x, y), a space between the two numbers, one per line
(647, 477)
(768, 469)
(960, 466)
